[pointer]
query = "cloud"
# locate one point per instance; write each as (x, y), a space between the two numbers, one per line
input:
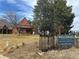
(75, 24)
(76, 21)
(21, 7)
(25, 8)
(75, 10)
(75, 6)
(1, 13)
(70, 2)
(26, 14)
(30, 2)
(11, 1)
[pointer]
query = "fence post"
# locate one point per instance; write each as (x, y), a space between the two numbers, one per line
(46, 43)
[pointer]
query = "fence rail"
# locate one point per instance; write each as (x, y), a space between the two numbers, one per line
(65, 41)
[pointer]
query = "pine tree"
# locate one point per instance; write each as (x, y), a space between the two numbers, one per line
(53, 15)
(63, 16)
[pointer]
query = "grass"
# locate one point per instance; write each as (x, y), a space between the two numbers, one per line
(15, 39)
(32, 52)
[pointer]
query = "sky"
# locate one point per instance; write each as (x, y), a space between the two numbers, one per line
(24, 8)
(75, 10)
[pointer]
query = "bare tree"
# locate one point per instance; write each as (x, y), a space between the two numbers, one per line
(11, 18)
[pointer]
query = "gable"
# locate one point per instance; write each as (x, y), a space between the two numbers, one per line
(25, 23)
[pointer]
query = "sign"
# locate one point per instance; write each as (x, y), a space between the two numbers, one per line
(66, 41)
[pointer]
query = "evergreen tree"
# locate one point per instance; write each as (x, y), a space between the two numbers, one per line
(63, 16)
(53, 15)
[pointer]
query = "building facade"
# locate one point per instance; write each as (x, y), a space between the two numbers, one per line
(23, 27)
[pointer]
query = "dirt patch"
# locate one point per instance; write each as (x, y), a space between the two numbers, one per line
(31, 51)
(28, 51)
(3, 57)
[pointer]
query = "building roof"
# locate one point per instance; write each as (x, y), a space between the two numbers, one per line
(3, 23)
(24, 23)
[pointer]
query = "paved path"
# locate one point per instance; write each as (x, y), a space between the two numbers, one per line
(3, 57)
